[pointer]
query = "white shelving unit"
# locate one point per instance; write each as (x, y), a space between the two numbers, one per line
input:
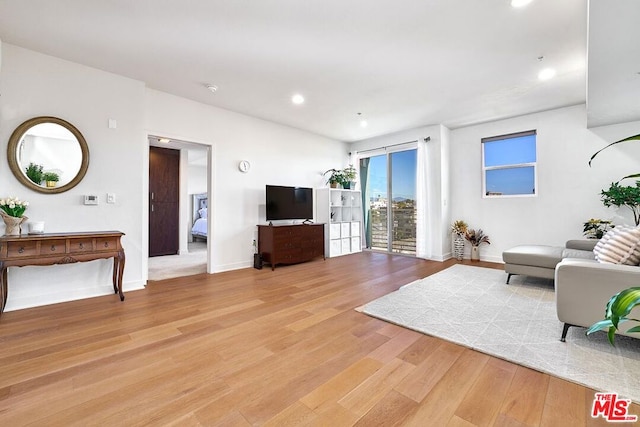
(341, 210)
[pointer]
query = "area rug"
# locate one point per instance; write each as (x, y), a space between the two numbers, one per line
(473, 307)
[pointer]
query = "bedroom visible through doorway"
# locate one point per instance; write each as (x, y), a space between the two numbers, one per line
(192, 209)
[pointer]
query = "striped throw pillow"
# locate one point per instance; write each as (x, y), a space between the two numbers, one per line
(619, 246)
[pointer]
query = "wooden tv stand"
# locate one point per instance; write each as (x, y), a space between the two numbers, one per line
(290, 244)
(60, 248)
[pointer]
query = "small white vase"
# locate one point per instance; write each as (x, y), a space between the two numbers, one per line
(475, 253)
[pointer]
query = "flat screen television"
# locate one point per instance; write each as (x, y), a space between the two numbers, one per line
(289, 203)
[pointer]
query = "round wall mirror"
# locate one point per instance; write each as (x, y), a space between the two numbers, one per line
(48, 154)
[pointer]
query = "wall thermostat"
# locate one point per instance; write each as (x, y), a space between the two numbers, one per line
(90, 200)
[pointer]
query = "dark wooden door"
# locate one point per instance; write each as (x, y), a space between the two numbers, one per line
(164, 193)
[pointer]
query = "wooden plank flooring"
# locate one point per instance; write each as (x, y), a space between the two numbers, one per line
(262, 347)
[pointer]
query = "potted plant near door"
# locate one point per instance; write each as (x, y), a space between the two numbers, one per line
(459, 228)
(476, 238)
(349, 175)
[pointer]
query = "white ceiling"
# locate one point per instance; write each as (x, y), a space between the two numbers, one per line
(402, 64)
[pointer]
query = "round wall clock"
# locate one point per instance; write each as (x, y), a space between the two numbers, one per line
(244, 166)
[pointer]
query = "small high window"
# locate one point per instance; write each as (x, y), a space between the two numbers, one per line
(509, 165)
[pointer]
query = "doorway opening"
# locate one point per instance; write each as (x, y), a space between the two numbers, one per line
(176, 248)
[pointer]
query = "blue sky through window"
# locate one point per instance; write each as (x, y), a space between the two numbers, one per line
(403, 178)
(500, 179)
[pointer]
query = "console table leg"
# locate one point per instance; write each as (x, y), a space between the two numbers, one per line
(3, 288)
(121, 260)
(116, 263)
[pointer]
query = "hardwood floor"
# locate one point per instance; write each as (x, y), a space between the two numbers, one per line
(256, 347)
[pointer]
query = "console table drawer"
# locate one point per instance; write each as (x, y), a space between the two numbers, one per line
(53, 247)
(22, 249)
(81, 245)
(106, 244)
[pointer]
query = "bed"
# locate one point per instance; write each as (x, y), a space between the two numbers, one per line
(200, 206)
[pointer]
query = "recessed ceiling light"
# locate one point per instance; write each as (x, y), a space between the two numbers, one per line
(297, 99)
(520, 3)
(363, 123)
(546, 74)
(164, 140)
(212, 88)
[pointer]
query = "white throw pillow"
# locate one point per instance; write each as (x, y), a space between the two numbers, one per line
(598, 247)
(620, 247)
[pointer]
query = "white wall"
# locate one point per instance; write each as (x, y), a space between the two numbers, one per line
(278, 154)
(197, 179)
(568, 189)
(32, 84)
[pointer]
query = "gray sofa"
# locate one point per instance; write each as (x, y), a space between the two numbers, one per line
(541, 260)
(583, 288)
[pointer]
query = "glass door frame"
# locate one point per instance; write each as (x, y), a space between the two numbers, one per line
(387, 152)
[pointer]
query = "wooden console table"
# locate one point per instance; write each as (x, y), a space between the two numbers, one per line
(60, 248)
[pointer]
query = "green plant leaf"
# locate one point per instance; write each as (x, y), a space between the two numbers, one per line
(611, 335)
(598, 326)
(634, 329)
(631, 138)
(624, 302)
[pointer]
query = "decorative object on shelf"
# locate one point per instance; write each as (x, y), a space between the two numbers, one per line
(12, 211)
(34, 173)
(619, 195)
(336, 178)
(349, 174)
(36, 227)
(344, 177)
(51, 179)
(616, 312)
(596, 228)
(458, 228)
(476, 238)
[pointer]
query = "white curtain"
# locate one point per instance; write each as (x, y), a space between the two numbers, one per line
(424, 197)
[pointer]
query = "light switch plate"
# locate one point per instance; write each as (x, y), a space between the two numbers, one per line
(111, 198)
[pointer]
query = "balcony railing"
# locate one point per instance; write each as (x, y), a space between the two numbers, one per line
(403, 232)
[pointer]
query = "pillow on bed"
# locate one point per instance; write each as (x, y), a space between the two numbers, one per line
(203, 213)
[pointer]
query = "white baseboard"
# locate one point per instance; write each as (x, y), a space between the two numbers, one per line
(62, 295)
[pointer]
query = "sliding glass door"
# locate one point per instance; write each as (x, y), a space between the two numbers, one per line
(389, 192)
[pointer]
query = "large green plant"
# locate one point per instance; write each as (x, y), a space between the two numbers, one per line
(631, 138)
(619, 195)
(618, 308)
(621, 304)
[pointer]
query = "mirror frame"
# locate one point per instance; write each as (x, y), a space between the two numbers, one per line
(12, 154)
